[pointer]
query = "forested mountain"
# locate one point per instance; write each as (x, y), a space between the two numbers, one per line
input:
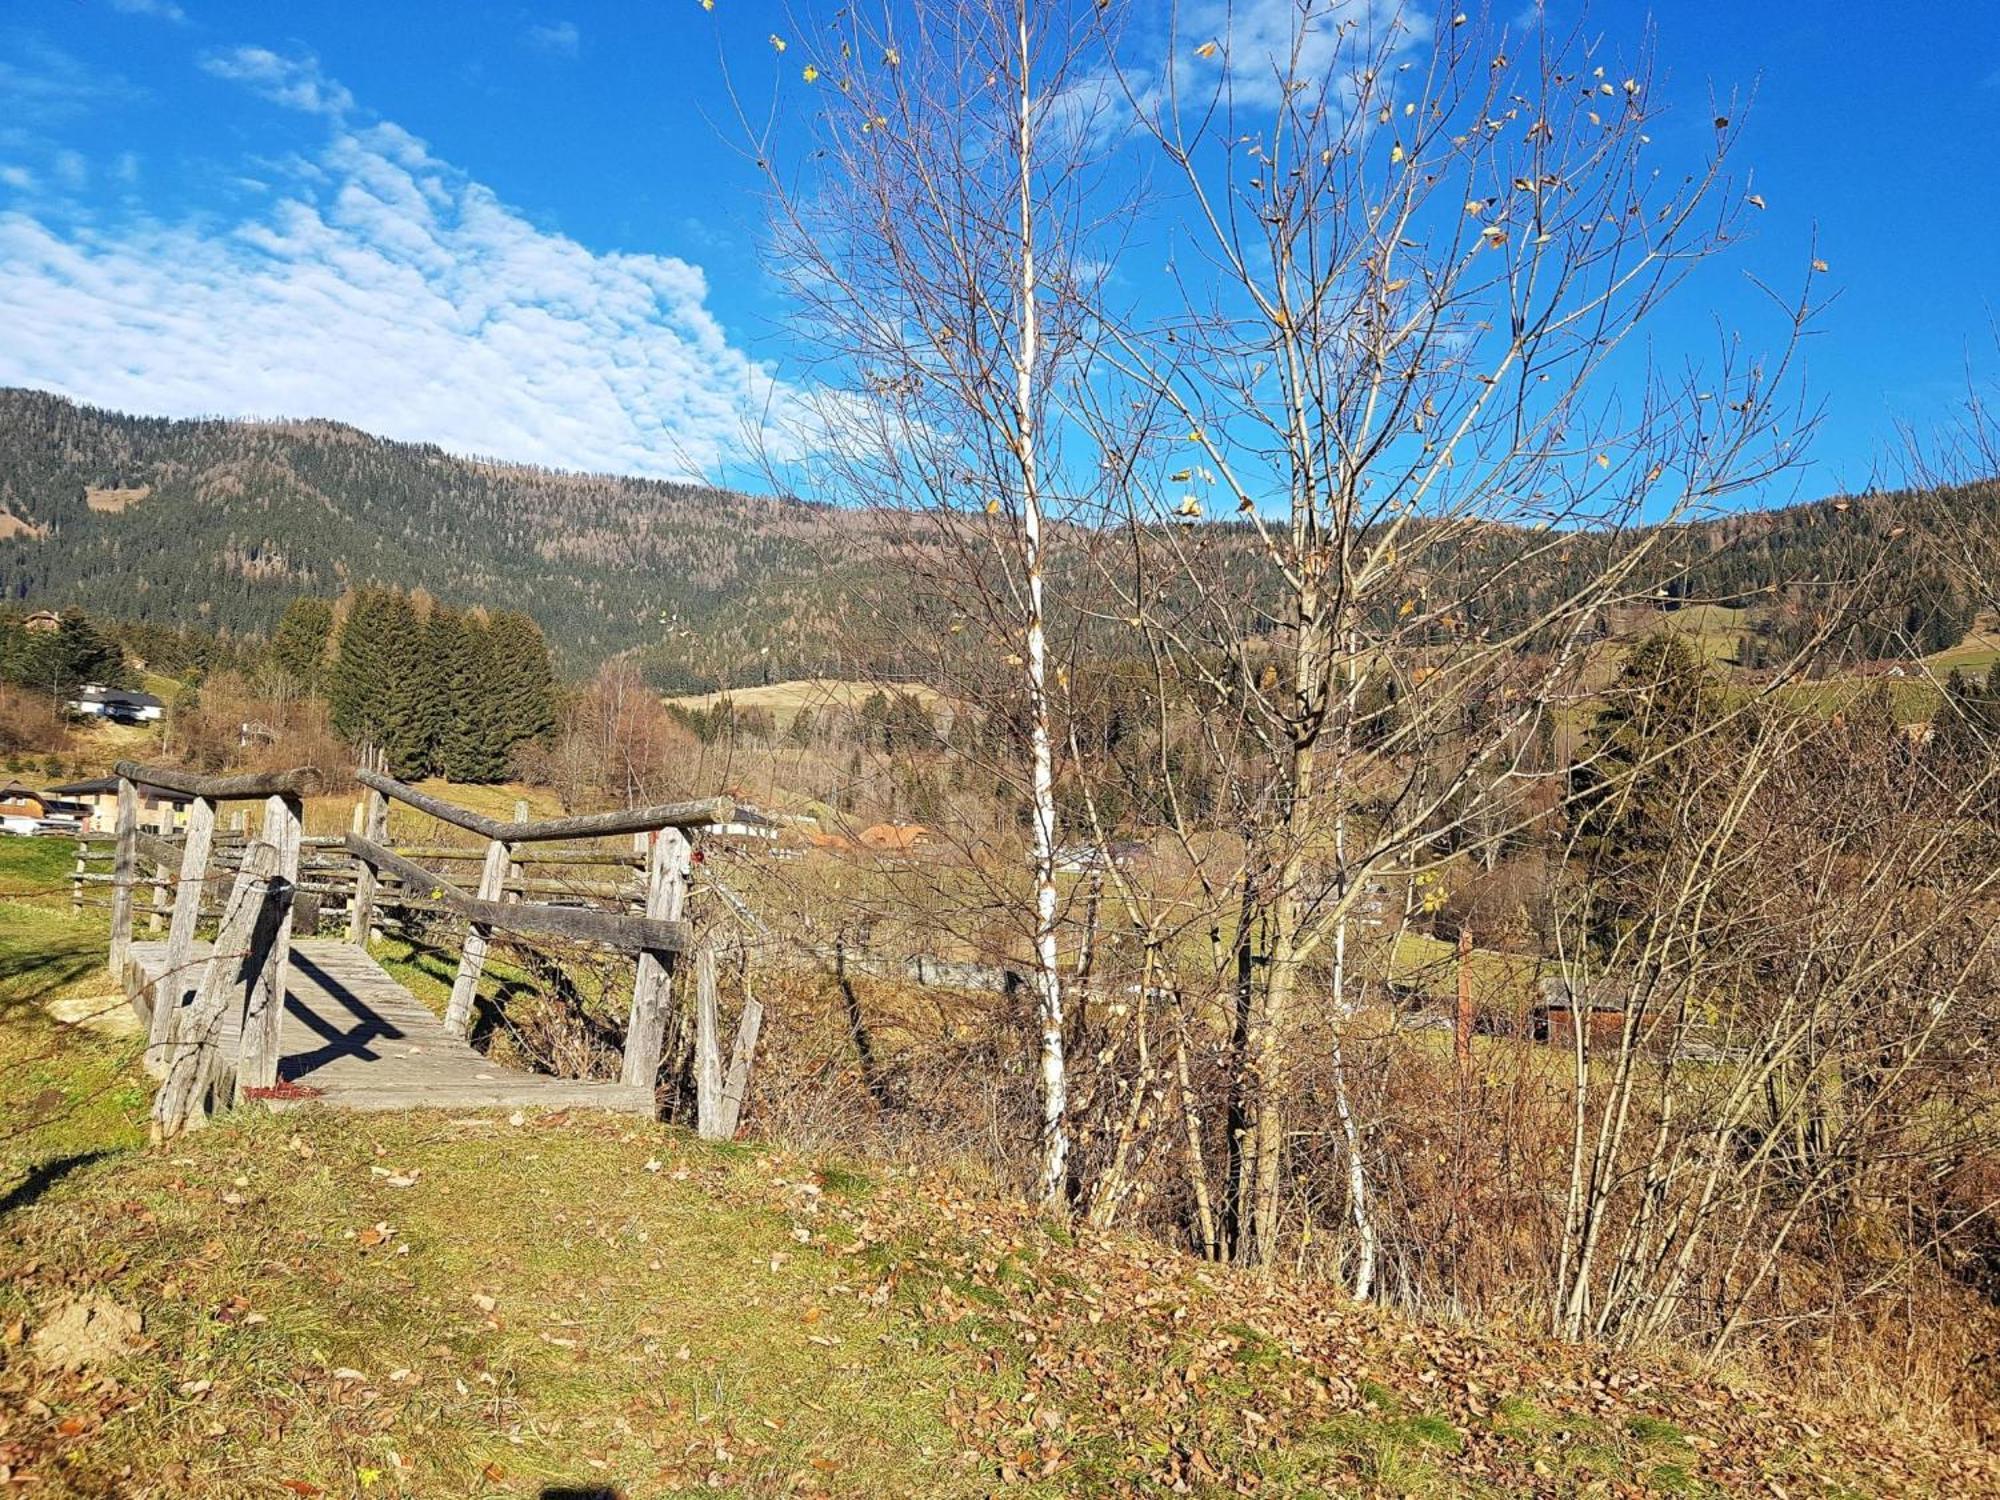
(224, 523)
(221, 524)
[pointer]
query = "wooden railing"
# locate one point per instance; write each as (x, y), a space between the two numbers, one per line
(279, 874)
(657, 936)
(183, 1020)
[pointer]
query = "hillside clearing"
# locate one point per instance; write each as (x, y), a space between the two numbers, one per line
(785, 699)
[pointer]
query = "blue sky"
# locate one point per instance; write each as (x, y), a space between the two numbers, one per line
(520, 230)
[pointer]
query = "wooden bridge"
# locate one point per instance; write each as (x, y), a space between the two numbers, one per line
(253, 1016)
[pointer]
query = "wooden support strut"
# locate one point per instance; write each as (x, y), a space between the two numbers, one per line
(178, 977)
(372, 816)
(258, 908)
(124, 870)
(608, 929)
(264, 1019)
(465, 986)
(667, 870)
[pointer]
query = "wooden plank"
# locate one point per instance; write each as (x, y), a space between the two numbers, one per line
(472, 960)
(585, 826)
(737, 1088)
(607, 929)
(258, 1046)
(667, 870)
(251, 786)
(258, 905)
(179, 976)
(708, 1049)
(124, 871)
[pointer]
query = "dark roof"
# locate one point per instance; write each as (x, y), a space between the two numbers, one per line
(110, 784)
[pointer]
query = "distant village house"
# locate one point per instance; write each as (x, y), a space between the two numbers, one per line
(117, 706)
(159, 809)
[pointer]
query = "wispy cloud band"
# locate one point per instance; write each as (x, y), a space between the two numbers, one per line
(381, 286)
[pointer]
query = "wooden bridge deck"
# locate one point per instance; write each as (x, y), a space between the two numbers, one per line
(364, 1042)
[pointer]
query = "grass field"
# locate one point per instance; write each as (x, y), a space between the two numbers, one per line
(785, 699)
(573, 1305)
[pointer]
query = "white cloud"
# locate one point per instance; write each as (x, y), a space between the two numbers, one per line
(71, 170)
(164, 10)
(18, 178)
(295, 82)
(380, 286)
(1264, 43)
(560, 37)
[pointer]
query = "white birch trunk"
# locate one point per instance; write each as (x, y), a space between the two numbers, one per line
(1054, 1165)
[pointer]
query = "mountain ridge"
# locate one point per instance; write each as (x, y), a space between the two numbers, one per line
(219, 523)
(223, 522)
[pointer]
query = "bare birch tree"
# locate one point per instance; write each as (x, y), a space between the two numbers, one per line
(935, 231)
(1400, 355)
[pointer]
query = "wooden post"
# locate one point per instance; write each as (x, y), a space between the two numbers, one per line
(258, 905)
(264, 1017)
(124, 869)
(155, 919)
(373, 815)
(741, 1055)
(465, 988)
(76, 880)
(176, 979)
(1461, 1031)
(652, 986)
(708, 1049)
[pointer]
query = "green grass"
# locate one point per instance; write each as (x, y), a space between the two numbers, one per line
(37, 868)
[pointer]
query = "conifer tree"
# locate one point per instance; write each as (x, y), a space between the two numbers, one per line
(299, 643)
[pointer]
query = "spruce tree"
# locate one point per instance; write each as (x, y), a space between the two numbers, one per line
(299, 643)
(473, 742)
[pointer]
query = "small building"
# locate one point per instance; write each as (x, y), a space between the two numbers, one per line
(1556, 1016)
(159, 809)
(743, 822)
(42, 622)
(21, 809)
(117, 706)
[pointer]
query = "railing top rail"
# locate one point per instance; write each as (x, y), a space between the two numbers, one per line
(583, 826)
(578, 924)
(302, 781)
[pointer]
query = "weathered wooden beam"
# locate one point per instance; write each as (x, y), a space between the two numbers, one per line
(472, 961)
(249, 786)
(652, 988)
(737, 1087)
(124, 871)
(607, 929)
(259, 904)
(264, 1017)
(178, 977)
(584, 826)
(707, 1049)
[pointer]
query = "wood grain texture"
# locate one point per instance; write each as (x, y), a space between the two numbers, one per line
(366, 1043)
(583, 826)
(251, 786)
